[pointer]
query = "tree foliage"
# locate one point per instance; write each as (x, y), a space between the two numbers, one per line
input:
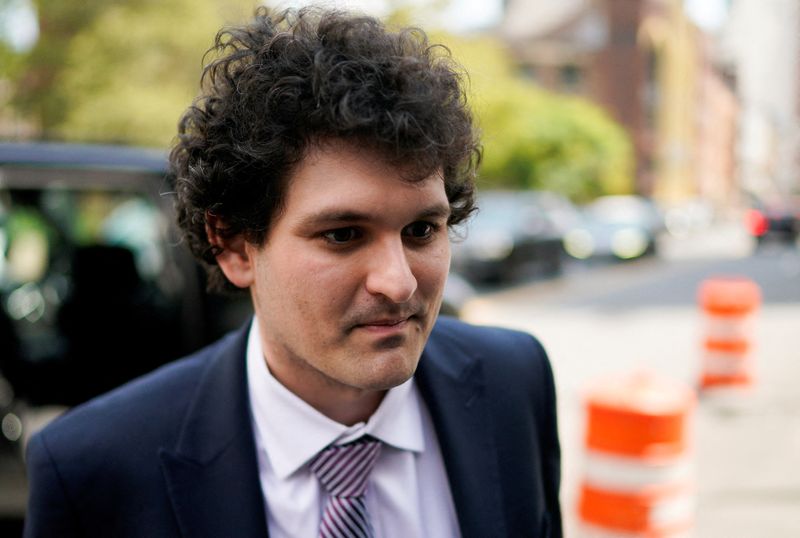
(38, 94)
(124, 70)
(534, 139)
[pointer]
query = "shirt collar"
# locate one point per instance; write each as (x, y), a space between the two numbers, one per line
(293, 432)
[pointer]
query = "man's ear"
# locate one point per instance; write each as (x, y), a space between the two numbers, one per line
(234, 257)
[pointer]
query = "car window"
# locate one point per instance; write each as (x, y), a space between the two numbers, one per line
(96, 286)
(89, 287)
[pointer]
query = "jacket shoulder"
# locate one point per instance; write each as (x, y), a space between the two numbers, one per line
(486, 342)
(152, 405)
(510, 372)
(98, 467)
(513, 362)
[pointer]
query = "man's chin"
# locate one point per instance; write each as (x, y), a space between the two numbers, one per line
(389, 382)
(389, 343)
(393, 367)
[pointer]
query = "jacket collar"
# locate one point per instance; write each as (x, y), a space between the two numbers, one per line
(451, 381)
(212, 474)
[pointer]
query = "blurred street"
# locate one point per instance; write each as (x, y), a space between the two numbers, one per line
(600, 318)
(617, 318)
(611, 129)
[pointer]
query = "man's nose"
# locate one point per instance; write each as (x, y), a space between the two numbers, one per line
(390, 273)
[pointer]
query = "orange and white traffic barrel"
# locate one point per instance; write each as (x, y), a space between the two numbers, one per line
(638, 474)
(729, 307)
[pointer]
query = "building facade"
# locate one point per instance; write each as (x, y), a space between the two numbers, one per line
(652, 70)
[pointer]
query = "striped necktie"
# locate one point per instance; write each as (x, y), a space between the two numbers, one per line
(343, 471)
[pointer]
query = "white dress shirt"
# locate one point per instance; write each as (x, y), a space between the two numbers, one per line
(408, 494)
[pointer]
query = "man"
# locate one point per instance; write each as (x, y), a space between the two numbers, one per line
(321, 169)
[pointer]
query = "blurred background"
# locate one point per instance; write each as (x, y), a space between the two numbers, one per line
(633, 150)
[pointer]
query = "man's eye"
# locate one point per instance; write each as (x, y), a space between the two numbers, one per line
(341, 236)
(420, 230)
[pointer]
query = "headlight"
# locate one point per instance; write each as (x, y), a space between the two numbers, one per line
(629, 243)
(579, 243)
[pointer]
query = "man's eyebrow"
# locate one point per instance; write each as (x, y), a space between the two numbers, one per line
(435, 211)
(334, 216)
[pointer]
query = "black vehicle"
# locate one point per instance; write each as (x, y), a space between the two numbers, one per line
(513, 235)
(91, 261)
(95, 286)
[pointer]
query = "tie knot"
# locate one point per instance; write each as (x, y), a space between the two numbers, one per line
(343, 469)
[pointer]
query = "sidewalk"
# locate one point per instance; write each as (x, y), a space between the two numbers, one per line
(722, 239)
(747, 462)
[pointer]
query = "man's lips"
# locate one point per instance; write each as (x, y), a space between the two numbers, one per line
(388, 322)
(386, 325)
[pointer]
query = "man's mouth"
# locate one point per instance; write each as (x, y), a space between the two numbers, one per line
(386, 325)
(387, 322)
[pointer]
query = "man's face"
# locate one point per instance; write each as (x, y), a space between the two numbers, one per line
(349, 281)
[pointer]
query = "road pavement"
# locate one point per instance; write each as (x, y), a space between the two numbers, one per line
(643, 315)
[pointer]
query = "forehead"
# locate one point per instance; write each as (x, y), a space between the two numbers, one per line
(339, 176)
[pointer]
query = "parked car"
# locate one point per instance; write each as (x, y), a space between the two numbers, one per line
(620, 227)
(90, 259)
(95, 285)
(90, 262)
(775, 218)
(512, 235)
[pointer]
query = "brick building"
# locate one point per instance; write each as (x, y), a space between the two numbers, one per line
(652, 70)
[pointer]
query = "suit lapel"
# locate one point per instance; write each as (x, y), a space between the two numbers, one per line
(451, 382)
(212, 473)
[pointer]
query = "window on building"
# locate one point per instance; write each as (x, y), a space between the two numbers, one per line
(571, 78)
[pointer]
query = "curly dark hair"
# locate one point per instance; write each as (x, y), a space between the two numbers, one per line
(292, 79)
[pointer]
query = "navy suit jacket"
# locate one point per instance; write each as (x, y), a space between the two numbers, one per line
(172, 453)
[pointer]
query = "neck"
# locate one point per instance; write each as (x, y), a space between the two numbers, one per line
(350, 411)
(345, 405)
